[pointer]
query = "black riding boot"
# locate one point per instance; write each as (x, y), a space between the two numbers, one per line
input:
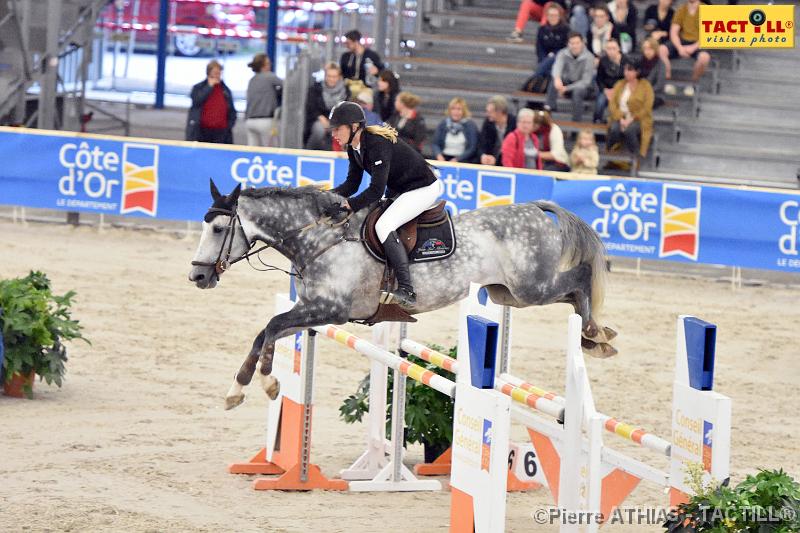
(397, 258)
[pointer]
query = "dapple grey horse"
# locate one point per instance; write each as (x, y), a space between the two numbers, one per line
(519, 253)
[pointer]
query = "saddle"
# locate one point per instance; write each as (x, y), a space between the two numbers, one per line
(433, 229)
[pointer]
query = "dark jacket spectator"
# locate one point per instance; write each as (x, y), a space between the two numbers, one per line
(359, 62)
(321, 99)
(552, 36)
(409, 124)
(653, 69)
(497, 125)
(388, 87)
(456, 137)
(609, 72)
(624, 17)
(658, 19)
(212, 115)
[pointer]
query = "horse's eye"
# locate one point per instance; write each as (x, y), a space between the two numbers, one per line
(217, 229)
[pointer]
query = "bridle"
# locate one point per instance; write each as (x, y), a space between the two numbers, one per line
(221, 264)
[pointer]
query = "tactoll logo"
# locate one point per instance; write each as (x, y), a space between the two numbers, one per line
(746, 26)
(140, 178)
(680, 221)
(486, 445)
(495, 188)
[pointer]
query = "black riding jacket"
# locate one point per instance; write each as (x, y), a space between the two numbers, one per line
(394, 166)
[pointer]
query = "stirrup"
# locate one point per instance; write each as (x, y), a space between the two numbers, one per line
(402, 297)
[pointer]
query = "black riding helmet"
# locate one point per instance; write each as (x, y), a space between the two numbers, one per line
(346, 113)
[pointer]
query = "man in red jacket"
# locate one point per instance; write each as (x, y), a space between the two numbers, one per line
(212, 115)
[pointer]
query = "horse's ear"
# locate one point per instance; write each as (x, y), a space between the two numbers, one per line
(215, 194)
(234, 197)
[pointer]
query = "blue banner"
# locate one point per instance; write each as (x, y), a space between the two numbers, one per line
(169, 180)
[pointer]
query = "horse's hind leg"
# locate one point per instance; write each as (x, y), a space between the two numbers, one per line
(235, 396)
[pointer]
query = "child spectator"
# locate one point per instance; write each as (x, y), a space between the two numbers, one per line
(609, 72)
(653, 69)
(572, 75)
(630, 110)
(683, 42)
(497, 125)
(658, 19)
(388, 87)
(456, 137)
(585, 155)
(624, 17)
(409, 124)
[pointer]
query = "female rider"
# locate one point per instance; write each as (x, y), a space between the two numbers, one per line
(395, 167)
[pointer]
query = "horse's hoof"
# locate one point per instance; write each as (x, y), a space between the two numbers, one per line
(601, 350)
(603, 335)
(271, 386)
(233, 401)
(610, 334)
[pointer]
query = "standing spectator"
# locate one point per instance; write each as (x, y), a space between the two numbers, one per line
(630, 110)
(658, 19)
(600, 31)
(409, 124)
(359, 62)
(609, 72)
(263, 97)
(365, 100)
(388, 87)
(683, 42)
(537, 143)
(456, 137)
(585, 156)
(497, 125)
(212, 115)
(624, 17)
(551, 39)
(653, 69)
(322, 97)
(572, 75)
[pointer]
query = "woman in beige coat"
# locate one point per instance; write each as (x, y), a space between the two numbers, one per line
(630, 110)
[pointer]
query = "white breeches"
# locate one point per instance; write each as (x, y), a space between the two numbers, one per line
(408, 206)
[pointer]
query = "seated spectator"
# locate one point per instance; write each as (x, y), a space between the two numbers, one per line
(551, 38)
(600, 31)
(658, 19)
(409, 124)
(497, 125)
(653, 69)
(212, 115)
(683, 42)
(359, 62)
(263, 98)
(585, 156)
(630, 110)
(388, 87)
(572, 75)
(535, 144)
(456, 137)
(321, 99)
(530, 10)
(624, 18)
(609, 72)
(365, 100)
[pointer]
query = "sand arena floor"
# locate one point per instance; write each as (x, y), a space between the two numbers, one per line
(137, 439)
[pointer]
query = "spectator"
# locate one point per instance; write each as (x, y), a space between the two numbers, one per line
(609, 72)
(497, 125)
(263, 97)
(535, 144)
(456, 137)
(409, 124)
(658, 19)
(365, 100)
(551, 39)
(388, 87)
(572, 75)
(359, 62)
(212, 115)
(630, 110)
(624, 17)
(321, 99)
(585, 156)
(600, 31)
(653, 69)
(528, 10)
(579, 16)
(683, 42)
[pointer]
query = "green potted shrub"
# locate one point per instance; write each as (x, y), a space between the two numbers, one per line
(35, 324)
(768, 502)
(429, 414)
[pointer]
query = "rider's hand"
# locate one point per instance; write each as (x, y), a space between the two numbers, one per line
(334, 211)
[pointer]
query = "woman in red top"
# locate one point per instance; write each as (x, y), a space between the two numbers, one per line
(536, 144)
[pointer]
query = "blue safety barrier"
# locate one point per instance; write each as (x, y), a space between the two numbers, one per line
(701, 339)
(482, 334)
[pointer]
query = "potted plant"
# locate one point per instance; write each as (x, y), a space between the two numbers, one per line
(35, 323)
(429, 413)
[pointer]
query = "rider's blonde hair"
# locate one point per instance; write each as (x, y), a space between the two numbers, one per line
(385, 131)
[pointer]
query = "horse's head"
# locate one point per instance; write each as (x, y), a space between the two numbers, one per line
(222, 241)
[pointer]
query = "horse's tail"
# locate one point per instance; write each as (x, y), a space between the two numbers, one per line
(580, 244)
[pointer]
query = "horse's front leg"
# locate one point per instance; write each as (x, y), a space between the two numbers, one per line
(302, 316)
(235, 394)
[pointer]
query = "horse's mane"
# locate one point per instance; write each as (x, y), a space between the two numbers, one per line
(299, 193)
